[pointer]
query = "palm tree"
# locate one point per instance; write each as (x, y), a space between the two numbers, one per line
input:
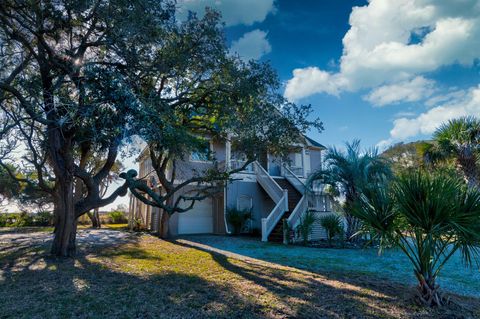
(430, 217)
(460, 139)
(349, 172)
(333, 226)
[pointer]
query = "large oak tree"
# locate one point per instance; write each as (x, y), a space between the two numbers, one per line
(80, 79)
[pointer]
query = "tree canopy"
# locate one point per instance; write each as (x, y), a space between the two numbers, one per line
(81, 79)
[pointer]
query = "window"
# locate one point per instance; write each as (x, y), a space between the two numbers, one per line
(244, 202)
(202, 154)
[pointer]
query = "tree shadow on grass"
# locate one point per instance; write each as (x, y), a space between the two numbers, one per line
(35, 286)
(99, 284)
(326, 294)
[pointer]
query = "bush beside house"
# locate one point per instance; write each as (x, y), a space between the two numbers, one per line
(237, 218)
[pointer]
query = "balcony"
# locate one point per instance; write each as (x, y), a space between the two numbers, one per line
(236, 164)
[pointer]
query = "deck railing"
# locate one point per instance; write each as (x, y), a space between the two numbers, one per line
(321, 203)
(236, 164)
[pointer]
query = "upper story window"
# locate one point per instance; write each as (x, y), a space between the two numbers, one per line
(203, 154)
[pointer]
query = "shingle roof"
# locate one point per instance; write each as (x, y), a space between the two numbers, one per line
(314, 143)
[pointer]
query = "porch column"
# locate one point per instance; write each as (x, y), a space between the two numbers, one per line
(228, 153)
(304, 161)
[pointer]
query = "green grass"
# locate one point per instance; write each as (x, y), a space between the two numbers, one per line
(25, 229)
(392, 264)
(116, 226)
(153, 278)
(29, 229)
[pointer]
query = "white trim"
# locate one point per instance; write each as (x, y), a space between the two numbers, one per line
(225, 191)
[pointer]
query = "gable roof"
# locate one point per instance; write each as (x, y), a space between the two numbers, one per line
(313, 143)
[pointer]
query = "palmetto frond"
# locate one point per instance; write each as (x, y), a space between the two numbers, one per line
(430, 217)
(459, 139)
(352, 169)
(458, 132)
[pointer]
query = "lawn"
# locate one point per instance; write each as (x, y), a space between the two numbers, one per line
(201, 277)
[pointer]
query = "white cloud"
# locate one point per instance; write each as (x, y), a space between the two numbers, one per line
(404, 114)
(446, 97)
(413, 90)
(427, 122)
(312, 80)
(234, 12)
(394, 41)
(252, 45)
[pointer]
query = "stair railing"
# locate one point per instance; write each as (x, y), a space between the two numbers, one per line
(279, 196)
(303, 204)
(293, 179)
(301, 208)
(268, 224)
(268, 183)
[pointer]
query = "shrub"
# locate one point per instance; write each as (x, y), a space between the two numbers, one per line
(136, 224)
(305, 227)
(22, 220)
(117, 217)
(43, 218)
(430, 217)
(333, 225)
(7, 219)
(237, 218)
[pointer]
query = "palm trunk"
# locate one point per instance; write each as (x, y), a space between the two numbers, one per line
(353, 224)
(428, 293)
(471, 171)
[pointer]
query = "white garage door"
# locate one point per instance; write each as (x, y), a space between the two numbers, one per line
(198, 220)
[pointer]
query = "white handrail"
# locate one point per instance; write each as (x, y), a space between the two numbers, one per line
(268, 183)
(275, 215)
(293, 179)
(301, 208)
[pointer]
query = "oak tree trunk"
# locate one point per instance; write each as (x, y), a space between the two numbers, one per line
(95, 218)
(163, 229)
(65, 220)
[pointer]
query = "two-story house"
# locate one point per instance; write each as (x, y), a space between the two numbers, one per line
(272, 189)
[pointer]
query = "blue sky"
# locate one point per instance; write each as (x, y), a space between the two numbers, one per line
(381, 71)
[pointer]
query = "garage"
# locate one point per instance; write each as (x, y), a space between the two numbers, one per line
(198, 220)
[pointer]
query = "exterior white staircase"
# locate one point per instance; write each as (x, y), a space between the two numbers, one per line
(280, 196)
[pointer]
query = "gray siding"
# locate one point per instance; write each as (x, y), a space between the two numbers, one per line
(318, 232)
(262, 203)
(274, 165)
(315, 160)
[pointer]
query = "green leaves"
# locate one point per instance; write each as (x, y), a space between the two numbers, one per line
(351, 172)
(429, 216)
(333, 225)
(459, 139)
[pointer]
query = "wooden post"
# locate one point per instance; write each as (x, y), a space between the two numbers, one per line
(264, 230)
(285, 232)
